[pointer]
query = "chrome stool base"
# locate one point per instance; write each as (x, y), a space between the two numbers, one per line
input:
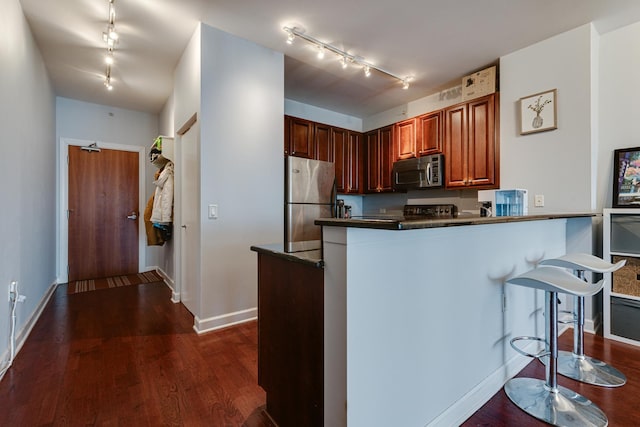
(589, 370)
(562, 407)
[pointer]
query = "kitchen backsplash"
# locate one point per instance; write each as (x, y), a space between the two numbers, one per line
(392, 204)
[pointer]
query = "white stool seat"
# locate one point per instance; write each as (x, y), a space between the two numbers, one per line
(582, 261)
(556, 280)
(576, 365)
(545, 399)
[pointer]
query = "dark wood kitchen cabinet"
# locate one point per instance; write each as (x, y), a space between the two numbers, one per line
(299, 137)
(323, 142)
(379, 148)
(471, 144)
(312, 140)
(291, 340)
(429, 134)
(406, 138)
(348, 161)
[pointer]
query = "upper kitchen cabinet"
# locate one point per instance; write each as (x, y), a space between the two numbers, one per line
(406, 133)
(380, 156)
(299, 137)
(471, 143)
(323, 142)
(347, 157)
(429, 135)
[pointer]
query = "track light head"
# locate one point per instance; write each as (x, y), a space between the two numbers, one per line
(344, 57)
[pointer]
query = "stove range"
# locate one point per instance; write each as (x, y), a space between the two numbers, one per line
(430, 211)
(410, 212)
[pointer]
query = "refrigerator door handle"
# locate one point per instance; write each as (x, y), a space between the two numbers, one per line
(334, 200)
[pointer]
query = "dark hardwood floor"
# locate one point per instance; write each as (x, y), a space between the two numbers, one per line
(621, 404)
(130, 357)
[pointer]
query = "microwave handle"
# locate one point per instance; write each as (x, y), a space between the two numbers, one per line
(429, 176)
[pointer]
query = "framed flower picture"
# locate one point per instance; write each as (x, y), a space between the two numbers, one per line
(626, 178)
(538, 112)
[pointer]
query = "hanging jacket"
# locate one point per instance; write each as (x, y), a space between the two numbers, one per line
(154, 235)
(163, 198)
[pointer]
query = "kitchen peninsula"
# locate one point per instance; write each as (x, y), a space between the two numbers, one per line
(416, 319)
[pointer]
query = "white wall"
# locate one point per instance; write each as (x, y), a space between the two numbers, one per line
(27, 172)
(321, 115)
(555, 163)
(619, 102)
(94, 122)
(242, 170)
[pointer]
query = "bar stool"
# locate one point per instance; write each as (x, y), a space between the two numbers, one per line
(576, 364)
(546, 400)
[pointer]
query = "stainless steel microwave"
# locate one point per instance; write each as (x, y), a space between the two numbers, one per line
(418, 173)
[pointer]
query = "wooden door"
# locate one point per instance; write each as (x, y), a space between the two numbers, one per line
(455, 140)
(406, 139)
(103, 192)
(429, 139)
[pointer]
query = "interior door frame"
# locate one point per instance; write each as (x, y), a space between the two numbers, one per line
(63, 201)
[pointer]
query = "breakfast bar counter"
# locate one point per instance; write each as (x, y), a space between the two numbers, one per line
(417, 318)
(402, 321)
(393, 223)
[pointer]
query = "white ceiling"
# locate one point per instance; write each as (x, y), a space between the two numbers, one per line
(436, 41)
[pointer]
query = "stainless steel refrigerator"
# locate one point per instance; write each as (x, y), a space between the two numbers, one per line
(310, 193)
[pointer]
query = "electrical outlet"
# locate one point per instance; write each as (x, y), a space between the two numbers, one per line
(538, 200)
(13, 290)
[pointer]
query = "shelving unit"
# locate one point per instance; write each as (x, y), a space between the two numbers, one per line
(621, 300)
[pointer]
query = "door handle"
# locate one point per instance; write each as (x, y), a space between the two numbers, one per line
(133, 216)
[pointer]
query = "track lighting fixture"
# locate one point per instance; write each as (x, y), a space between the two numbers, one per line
(345, 57)
(109, 57)
(110, 37)
(107, 79)
(290, 36)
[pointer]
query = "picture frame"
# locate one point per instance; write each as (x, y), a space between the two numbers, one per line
(538, 112)
(626, 178)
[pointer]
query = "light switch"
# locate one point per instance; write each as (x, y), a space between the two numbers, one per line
(213, 211)
(538, 200)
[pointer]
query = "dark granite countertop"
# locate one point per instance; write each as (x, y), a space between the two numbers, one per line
(311, 258)
(382, 223)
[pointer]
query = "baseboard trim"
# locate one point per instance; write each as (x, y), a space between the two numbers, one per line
(468, 404)
(23, 334)
(171, 284)
(202, 326)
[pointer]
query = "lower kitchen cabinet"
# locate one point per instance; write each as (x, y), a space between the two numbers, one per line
(290, 340)
(471, 144)
(379, 148)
